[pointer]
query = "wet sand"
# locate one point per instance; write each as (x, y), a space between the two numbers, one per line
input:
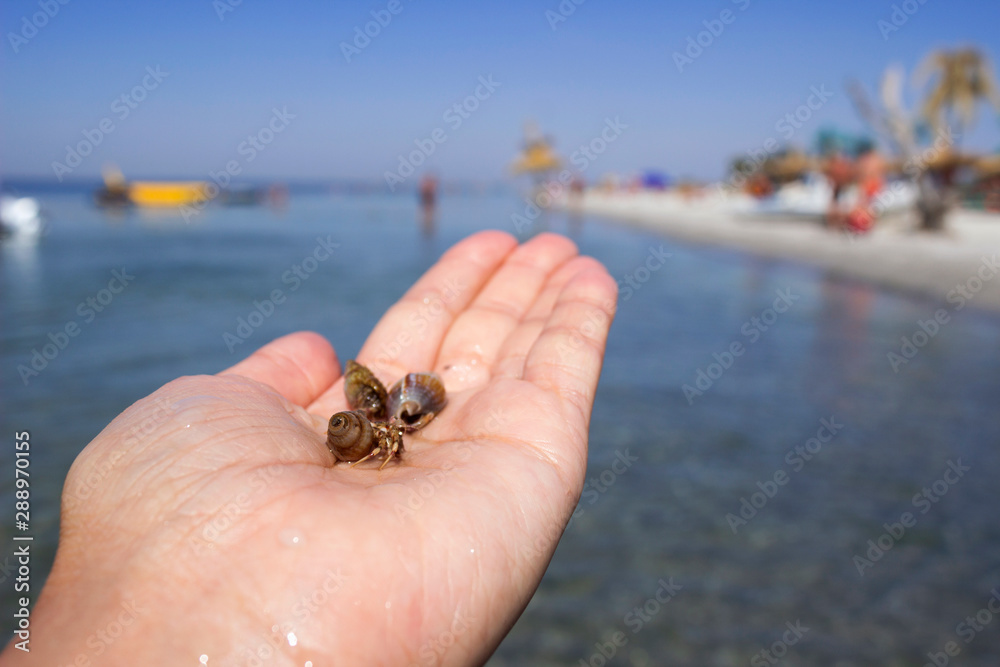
(959, 265)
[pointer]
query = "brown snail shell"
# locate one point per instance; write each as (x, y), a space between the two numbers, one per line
(415, 399)
(350, 436)
(364, 392)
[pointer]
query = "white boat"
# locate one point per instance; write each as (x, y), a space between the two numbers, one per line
(20, 218)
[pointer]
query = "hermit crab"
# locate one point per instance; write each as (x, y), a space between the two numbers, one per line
(377, 420)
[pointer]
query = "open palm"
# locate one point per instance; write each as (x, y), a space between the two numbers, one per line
(236, 540)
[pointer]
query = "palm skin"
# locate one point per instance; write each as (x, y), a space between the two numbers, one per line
(232, 534)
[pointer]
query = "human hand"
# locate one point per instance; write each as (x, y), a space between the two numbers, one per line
(227, 531)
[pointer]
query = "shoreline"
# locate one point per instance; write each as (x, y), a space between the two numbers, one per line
(893, 255)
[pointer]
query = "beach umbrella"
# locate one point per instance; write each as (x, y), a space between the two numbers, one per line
(987, 165)
(948, 160)
(655, 180)
(788, 166)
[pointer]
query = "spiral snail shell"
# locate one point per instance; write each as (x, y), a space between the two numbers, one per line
(364, 392)
(415, 399)
(375, 424)
(350, 436)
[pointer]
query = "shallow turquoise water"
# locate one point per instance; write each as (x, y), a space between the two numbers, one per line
(664, 471)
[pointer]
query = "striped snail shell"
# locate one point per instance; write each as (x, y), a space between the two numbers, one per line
(350, 436)
(415, 399)
(364, 392)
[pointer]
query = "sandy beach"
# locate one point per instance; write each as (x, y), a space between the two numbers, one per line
(957, 266)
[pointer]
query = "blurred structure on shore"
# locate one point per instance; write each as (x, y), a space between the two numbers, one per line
(537, 158)
(959, 80)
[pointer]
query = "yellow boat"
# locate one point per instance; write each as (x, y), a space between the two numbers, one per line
(167, 193)
(150, 194)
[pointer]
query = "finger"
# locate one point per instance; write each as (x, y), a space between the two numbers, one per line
(470, 348)
(511, 357)
(299, 366)
(409, 335)
(566, 359)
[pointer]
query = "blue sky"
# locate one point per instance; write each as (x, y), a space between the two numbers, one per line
(225, 76)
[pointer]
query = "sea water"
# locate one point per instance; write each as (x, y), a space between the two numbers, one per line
(754, 451)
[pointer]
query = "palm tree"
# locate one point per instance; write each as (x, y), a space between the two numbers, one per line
(962, 79)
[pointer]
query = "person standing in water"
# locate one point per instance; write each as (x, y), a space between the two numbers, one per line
(428, 201)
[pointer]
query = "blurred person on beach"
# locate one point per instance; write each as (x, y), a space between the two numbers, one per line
(759, 185)
(840, 173)
(870, 169)
(577, 190)
(227, 535)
